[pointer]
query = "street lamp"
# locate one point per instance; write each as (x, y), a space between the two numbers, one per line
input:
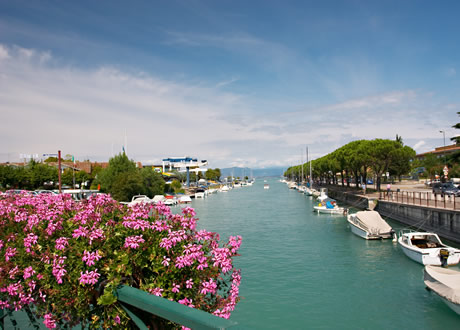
(444, 136)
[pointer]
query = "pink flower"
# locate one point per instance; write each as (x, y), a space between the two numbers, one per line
(186, 302)
(117, 319)
(10, 252)
(133, 241)
(89, 277)
(61, 243)
(209, 286)
(28, 272)
(166, 261)
(189, 283)
(157, 292)
(175, 288)
(80, 232)
(90, 257)
(58, 268)
(49, 322)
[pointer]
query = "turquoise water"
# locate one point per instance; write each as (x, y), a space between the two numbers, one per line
(303, 270)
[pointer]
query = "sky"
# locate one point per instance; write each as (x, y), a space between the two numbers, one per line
(238, 83)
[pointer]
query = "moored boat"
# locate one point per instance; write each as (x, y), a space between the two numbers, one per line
(445, 282)
(329, 206)
(369, 225)
(266, 186)
(427, 249)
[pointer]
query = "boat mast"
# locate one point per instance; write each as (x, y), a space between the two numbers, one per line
(301, 165)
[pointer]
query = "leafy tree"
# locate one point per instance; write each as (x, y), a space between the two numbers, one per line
(51, 160)
(126, 185)
(41, 173)
(401, 163)
(118, 164)
(153, 182)
(456, 138)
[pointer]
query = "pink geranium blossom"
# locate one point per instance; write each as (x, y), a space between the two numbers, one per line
(89, 277)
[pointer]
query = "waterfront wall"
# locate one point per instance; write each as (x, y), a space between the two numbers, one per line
(444, 222)
(349, 198)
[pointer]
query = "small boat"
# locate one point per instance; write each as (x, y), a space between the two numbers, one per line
(445, 282)
(427, 249)
(266, 186)
(200, 193)
(224, 189)
(369, 225)
(185, 199)
(329, 206)
(170, 200)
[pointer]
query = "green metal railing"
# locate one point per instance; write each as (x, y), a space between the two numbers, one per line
(170, 310)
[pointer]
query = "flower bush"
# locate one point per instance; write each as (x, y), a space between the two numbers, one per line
(64, 259)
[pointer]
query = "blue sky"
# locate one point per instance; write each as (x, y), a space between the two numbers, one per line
(248, 83)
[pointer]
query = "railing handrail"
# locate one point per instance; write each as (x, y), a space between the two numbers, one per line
(170, 310)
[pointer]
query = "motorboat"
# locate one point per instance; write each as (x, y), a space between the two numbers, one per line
(224, 189)
(427, 249)
(170, 200)
(200, 193)
(329, 206)
(322, 194)
(158, 198)
(185, 199)
(445, 282)
(369, 225)
(266, 186)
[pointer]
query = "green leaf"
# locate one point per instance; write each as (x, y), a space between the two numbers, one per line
(107, 298)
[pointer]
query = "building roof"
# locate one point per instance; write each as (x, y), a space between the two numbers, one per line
(441, 151)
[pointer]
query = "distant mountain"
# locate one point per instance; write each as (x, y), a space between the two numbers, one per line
(255, 172)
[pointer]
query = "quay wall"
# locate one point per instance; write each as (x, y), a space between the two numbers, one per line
(444, 222)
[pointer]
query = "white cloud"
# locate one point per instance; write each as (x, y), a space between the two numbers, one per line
(418, 145)
(46, 106)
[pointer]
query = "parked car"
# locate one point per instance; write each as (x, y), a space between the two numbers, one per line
(446, 188)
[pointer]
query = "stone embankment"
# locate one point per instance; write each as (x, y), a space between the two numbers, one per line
(444, 222)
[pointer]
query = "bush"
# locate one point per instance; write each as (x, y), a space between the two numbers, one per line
(67, 258)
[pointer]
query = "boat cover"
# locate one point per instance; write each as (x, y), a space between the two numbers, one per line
(373, 222)
(444, 281)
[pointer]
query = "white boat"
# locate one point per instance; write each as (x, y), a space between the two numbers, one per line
(369, 225)
(266, 186)
(158, 198)
(445, 282)
(292, 185)
(224, 189)
(170, 201)
(308, 192)
(427, 249)
(199, 193)
(329, 206)
(322, 194)
(185, 199)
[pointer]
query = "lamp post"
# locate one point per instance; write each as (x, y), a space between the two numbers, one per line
(444, 136)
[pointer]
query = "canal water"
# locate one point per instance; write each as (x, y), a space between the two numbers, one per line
(302, 270)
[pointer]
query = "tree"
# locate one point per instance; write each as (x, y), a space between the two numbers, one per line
(456, 138)
(401, 163)
(118, 164)
(153, 182)
(127, 184)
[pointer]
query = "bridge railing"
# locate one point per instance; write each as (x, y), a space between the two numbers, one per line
(130, 297)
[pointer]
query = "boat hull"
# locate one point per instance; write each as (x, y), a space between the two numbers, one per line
(355, 229)
(428, 256)
(325, 210)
